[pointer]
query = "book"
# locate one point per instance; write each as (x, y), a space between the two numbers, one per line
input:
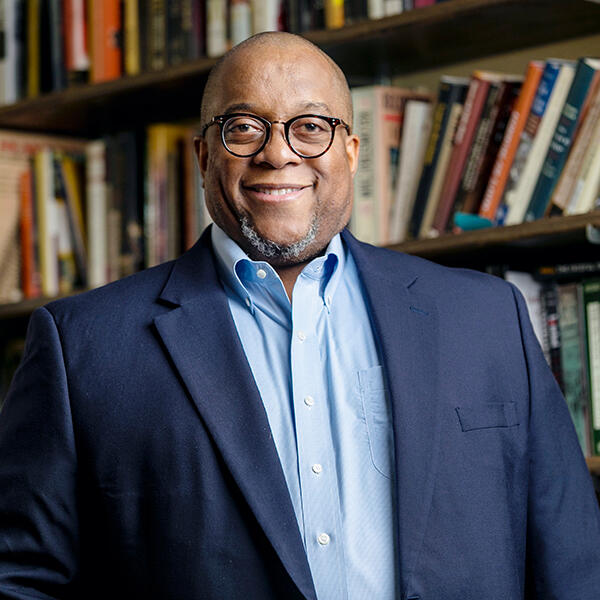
(30, 274)
(33, 22)
(510, 142)
(266, 15)
(479, 88)
(58, 69)
(441, 168)
(565, 188)
(591, 303)
(562, 138)
(216, 27)
(378, 113)
(376, 9)
(9, 72)
(156, 35)
(587, 187)
(451, 90)
(240, 13)
(552, 341)
(393, 7)
(486, 143)
(415, 133)
(573, 356)
(131, 42)
(96, 212)
(106, 46)
(76, 40)
(334, 14)
(10, 257)
(551, 96)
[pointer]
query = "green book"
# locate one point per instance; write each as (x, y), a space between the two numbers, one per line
(591, 303)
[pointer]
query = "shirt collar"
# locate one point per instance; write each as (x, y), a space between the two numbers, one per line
(241, 274)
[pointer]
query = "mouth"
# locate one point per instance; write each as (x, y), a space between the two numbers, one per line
(275, 192)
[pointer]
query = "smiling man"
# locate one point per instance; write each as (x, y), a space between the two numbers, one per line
(285, 412)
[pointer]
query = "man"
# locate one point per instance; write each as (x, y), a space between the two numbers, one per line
(284, 412)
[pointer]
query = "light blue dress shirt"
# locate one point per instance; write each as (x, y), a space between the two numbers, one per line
(317, 368)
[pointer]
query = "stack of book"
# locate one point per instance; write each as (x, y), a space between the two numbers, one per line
(78, 214)
(504, 149)
(564, 306)
(47, 45)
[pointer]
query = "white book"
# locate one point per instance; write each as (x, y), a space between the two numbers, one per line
(376, 9)
(392, 7)
(216, 27)
(415, 135)
(587, 187)
(265, 15)
(517, 200)
(241, 21)
(96, 200)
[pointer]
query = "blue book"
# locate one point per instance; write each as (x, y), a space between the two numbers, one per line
(562, 138)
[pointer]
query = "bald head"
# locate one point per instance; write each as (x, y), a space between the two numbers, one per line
(273, 46)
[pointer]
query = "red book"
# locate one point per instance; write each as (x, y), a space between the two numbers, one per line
(29, 268)
(473, 107)
(107, 52)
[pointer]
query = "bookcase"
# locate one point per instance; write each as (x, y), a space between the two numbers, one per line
(411, 49)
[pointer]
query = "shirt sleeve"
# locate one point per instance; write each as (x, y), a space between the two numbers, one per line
(563, 521)
(38, 468)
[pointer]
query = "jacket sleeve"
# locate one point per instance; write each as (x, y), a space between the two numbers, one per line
(38, 513)
(563, 531)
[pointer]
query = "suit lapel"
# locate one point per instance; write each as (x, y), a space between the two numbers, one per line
(406, 325)
(201, 339)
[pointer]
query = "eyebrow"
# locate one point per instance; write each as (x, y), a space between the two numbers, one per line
(309, 106)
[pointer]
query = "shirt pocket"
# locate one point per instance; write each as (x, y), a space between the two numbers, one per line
(378, 418)
(492, 415)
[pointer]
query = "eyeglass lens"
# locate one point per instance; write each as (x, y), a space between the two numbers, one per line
(308, 136)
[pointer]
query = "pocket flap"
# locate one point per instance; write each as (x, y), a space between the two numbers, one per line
(485, 416)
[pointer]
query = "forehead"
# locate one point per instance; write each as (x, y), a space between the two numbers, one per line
(277, 82)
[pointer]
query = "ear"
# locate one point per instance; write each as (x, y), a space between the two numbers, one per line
(352, 151)
(201, 153)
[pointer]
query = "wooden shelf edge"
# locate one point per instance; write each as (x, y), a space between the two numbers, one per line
(498, 236)
(26, 307)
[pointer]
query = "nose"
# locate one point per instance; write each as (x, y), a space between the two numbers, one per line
(277, 152)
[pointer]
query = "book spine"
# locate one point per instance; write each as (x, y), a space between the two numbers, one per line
(566, 183)
(572, 361)
(10, 79)
(534, 143)
(96, 212)
(29, 267)
(474, 103)
(216, 27)
(33, 48)
(175, 34)
(376, 9)
(392, 7)
(198, 42)
(510, 142)
(106, 40)
(131, 28)
(365, 218)
(587, 188)
(241, 20)
(591, 300)
(334, 14)
(77, 57)
(549, 299)
(57, 59)
(561, 142)
(156, 16)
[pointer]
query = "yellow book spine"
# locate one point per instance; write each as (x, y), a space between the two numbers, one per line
(334, 14)
(132, 37)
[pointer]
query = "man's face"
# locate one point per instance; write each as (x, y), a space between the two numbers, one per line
(276, 205)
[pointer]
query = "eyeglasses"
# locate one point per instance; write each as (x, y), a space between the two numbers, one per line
(245, 135)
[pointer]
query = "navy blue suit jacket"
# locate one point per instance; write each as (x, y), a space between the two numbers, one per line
(136, 460)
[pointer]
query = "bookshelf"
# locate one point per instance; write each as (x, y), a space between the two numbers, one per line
(367, 51)
(412, 48)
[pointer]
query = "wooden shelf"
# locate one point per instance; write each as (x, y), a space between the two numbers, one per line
(549, 240)
(24, 308)
(414, 40)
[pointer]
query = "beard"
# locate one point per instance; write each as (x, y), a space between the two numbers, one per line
(281, 254)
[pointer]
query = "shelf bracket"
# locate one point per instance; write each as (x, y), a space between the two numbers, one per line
(592, 233)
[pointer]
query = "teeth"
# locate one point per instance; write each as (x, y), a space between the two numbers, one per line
(279, 192)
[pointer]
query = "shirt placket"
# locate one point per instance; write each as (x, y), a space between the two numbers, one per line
(316, 461)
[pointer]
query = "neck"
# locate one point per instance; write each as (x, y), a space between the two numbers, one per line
(288, 276)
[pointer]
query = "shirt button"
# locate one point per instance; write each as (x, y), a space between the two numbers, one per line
(261, 273)
(309, 401)
(323, 539)
(317, 468)
(328, 299)
(248, 302)
(301, 336)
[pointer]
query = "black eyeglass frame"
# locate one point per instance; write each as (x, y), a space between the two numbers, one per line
(222, 119)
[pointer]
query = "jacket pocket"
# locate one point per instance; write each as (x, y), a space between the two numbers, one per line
(488, 416)
(378, 418)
